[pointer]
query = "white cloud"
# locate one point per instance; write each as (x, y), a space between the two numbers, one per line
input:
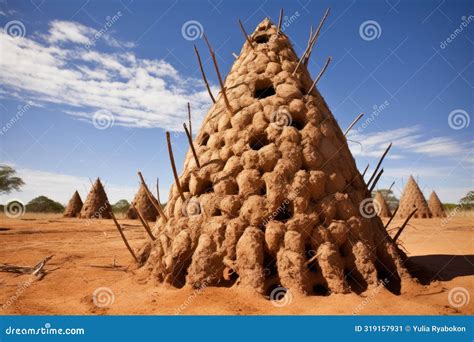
(138, 92)
(60, 187)
(405, 140)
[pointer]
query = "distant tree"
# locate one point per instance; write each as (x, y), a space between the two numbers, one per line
(43, 204)
(121, 206)
(8, 182)
(467, 202)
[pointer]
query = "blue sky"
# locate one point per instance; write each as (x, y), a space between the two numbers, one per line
(66, 65)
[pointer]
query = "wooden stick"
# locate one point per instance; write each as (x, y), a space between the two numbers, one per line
(151, 199)
(120, 230)
(246, 35)
(158, 191)
(365, 170)
(375, 181)
(280, 19)
(213, 56)
(203, 74)
(393, 183)
(189, 120)
(311, 44)
(404, 225)
(353, 123)
(144, 223)
(378, 164)
(173, 166)
(315, 37)
(320, 74)
(190, 141)
(391, 217)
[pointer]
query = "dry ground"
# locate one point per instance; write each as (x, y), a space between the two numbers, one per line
(441, 251)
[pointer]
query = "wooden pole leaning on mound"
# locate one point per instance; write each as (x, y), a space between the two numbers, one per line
(246, 35)
(119, 227)
(404, 225)
(353, 123)
(305, 57)
(144, 223)
(280, 20)
(320, 74)
(221, 83)
(190, 141)
(150, 197)
(378, 164)
(204, 74)
(372, 187)
(391, 217)
(173, 166)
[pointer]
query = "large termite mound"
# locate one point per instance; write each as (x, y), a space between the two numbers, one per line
(435, 205)
(144, 205)
(74, 206)
(412, 198)
(382, 207)
(276, 199)
(96, 204)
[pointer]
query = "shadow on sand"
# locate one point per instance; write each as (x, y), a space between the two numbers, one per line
(428, 268)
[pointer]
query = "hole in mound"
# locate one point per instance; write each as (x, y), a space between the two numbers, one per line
(321, 290)
(298, 123)
(179, 273)
(270, 268)
(185, 186)
(263, 190)
(216, 212)
(284, 213)
(204, 139)
(276, 292)
(262, 39)
(355, 280)
(258, 141)
(4, 229)
(343, 251)
(264, 88)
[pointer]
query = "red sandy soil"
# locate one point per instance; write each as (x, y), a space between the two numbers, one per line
(79, 245)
